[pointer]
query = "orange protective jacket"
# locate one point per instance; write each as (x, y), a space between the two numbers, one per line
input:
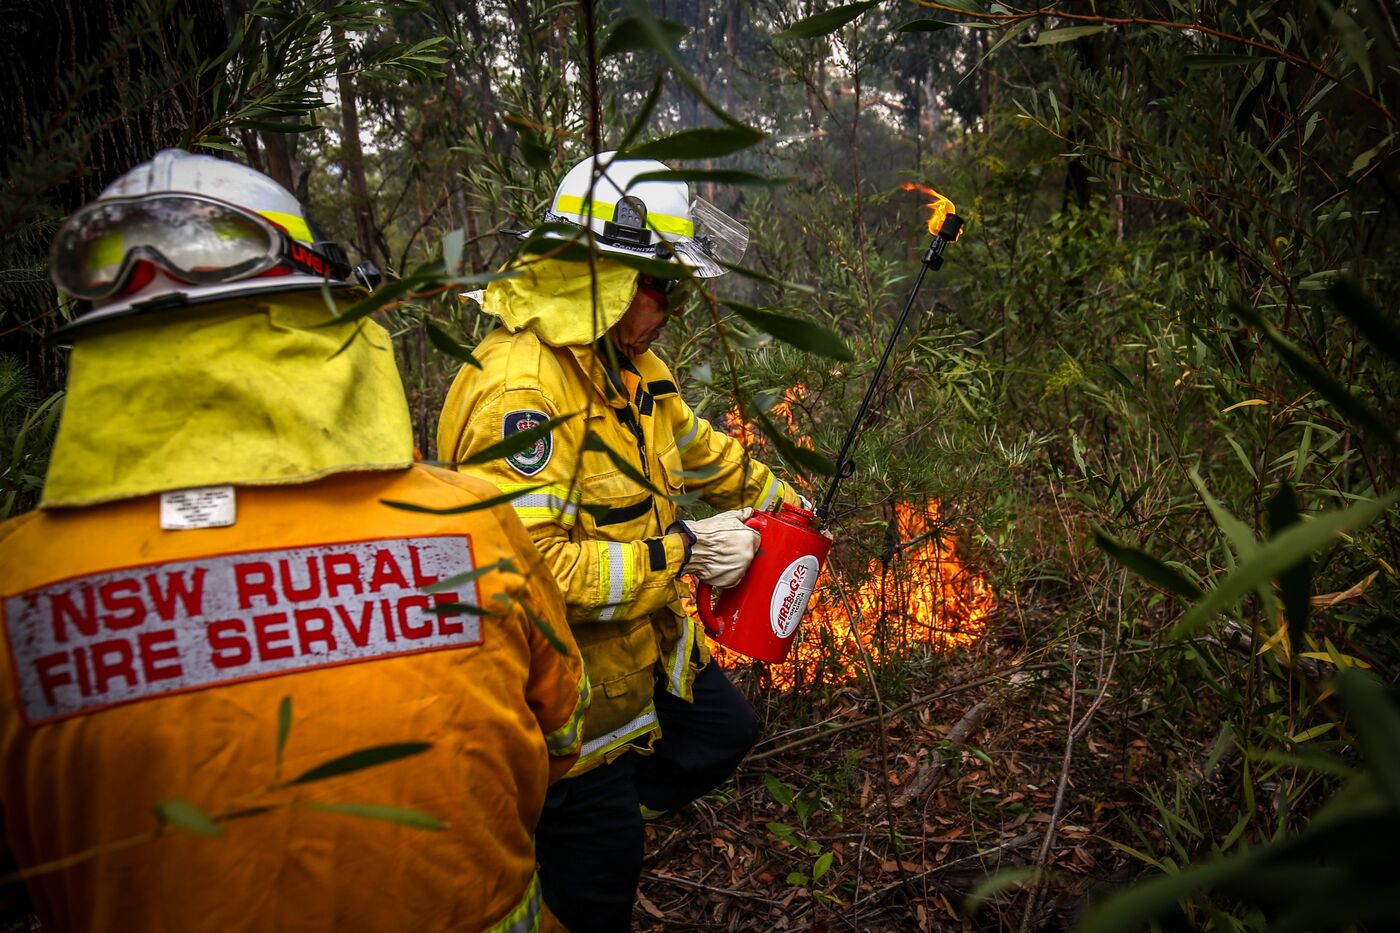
(143, 666)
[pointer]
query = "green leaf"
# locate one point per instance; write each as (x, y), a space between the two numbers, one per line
(994, 884)
(1353, 41)
(654, 31)
(1236, 531)
(1363, 161)
(504, 565)
(796, 877)
(1314, 375)
(453, 242)
(719, 176)
(1056, 36)
(778, 790)
(1158, 896)
(187, 816)
(534, 153)
(432, 275)
(925, 25)
(359, 760)
(464, 609)
(489, 503)
(822, 865)
(371, 811)
(703, 143)
(824, 24)
(643, 114)
(799, 457)
(273, 126)
(1295, 584)
(596, 443)
(1358, 308)
(1376, 722)
(284, 729)
(1146, 566)
(439, 338)
(517, 442)
(766, 279)
(1277, 555)
(629, 35)
(805, 335)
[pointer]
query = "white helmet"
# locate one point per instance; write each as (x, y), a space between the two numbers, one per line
(647, 219)
(186, 229)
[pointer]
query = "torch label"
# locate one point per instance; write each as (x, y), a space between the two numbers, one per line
(790, 596)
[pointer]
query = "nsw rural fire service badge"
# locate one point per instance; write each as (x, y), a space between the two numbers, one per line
(535, 457)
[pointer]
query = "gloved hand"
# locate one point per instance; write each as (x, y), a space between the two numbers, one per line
(805, 503)
(722, 547)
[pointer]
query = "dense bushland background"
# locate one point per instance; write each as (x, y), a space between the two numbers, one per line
(1153, 392)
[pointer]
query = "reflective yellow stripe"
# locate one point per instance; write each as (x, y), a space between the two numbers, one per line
(537, 504)
(525, 918)
(295, 226)
(617, 576)
(638, 727)
(565, 740)
(690, 434)
(662, 223)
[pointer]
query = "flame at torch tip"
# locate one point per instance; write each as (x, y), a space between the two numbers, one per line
(940, 206)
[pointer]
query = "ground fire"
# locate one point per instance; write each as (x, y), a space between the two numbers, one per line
(916, 594)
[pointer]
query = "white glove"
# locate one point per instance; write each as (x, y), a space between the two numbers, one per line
(722, 547)
(805, 503)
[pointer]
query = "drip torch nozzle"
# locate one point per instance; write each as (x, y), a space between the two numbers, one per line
(946, 227)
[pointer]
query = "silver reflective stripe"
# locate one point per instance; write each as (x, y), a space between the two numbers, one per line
(642, 724)
(525, 918)
(677, 685)
(691, 432)
(769, 492)
(546, 505)
(612, 575)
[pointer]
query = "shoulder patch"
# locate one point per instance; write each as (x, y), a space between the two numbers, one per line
(534, 458)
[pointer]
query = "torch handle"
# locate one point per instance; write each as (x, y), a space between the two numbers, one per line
(933, 258)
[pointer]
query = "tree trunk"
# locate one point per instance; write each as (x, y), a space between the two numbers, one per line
(352, 161)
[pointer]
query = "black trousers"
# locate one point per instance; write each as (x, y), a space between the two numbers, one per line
(589, 839)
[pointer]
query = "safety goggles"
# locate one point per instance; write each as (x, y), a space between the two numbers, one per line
(198, 240)
(671, 293)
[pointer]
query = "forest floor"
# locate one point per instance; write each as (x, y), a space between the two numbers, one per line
(972, 765)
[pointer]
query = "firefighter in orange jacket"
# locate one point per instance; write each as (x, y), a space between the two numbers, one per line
(598, 492)
(213, 601)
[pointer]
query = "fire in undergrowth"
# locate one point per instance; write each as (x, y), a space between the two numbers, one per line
(914, 594)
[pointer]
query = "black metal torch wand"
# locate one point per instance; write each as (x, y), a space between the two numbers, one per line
(932, 259)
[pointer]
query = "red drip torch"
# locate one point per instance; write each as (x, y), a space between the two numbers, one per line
(759, 616)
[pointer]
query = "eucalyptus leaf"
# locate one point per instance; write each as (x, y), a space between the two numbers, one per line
(186, 816)
(504, 565)
(630, 35)
(702, 143)
(1358, 307)
(926, 25)
(808, 461)
(805, 335)
(824, 24)
(284, 729)
(1146, 566)
(719, 176)
(1295, 584)
(1056, 36)
(359, 761)
(1277, 555)
(372, 811)
(517, 442)
(488, 503)
(440, 339)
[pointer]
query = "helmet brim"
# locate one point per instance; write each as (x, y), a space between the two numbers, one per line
(165, 299)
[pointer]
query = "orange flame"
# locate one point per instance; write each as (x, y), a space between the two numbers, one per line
(940, 206)
(917, 595)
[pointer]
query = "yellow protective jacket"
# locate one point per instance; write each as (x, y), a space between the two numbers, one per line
(141, 667)
(601, 531)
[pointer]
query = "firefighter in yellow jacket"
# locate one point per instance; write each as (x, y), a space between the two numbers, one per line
(213, 602)
(615, 447)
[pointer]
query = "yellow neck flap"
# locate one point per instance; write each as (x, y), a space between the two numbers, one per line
(556, 299)
(247, 392)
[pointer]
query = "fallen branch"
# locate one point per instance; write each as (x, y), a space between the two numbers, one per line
(927, 775)
(698, 886)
